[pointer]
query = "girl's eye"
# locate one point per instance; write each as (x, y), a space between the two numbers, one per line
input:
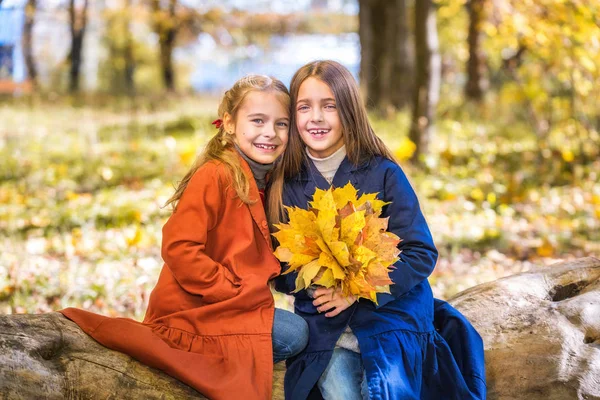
(258, 121)
(282, 124)
(302, 108)
(330, 106)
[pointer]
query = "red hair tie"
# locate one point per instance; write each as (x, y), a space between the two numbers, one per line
(217, 123)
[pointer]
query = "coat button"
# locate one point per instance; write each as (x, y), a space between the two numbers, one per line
(264, 224)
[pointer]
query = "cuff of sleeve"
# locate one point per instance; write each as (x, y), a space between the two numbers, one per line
(383, 299)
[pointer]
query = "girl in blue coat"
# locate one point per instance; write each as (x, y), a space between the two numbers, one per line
(357, 349)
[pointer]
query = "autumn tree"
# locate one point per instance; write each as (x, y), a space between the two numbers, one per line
(549, 57)
(386, 68)
(428, 77)
(164, 21)
(30, 10)
(78, 25)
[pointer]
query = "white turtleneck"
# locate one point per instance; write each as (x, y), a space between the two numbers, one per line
(328, 166)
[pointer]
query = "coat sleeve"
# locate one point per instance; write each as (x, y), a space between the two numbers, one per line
(185, 235)
(419, 255)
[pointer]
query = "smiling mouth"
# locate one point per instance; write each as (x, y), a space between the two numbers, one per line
(318, 133)
(267, 147)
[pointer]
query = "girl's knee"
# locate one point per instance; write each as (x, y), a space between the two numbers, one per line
(300, 329)
(290, 334)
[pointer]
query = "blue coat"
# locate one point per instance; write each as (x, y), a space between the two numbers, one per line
(403, 355)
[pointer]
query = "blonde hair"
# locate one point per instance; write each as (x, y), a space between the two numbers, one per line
(219, 146)
(360, 139)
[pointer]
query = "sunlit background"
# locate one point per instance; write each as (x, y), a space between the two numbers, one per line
(105, 104)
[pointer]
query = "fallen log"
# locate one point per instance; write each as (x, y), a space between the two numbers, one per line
(541, 332)
(47, 356)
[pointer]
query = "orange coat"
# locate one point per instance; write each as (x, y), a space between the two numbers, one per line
(210, 316)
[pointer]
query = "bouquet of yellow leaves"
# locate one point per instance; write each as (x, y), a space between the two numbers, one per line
(343, 235)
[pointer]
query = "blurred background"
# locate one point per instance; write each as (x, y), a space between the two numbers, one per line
(492, 107)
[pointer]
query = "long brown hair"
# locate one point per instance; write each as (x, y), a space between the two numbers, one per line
(219, 145)
(361, 141)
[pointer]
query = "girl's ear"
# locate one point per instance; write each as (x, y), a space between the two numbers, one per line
(228, 123)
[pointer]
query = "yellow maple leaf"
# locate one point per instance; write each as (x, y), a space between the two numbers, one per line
(351, 227)
(302, 220)
(371, 198)
(364, 255)
(344, 195)
(309, 271)
(326, 221)
(327, 280)
(340, 251)
(328, 261)
(317, 198)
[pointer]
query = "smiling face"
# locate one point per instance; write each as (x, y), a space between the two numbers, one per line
(261, 126)
(317, 118)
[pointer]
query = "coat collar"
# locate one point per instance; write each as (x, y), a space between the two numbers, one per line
(257, 210)
(312, 178)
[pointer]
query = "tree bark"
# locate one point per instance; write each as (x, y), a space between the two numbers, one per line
(403, 63)
(30, 10)
(48, 356)
(541, 331)
(386, 63)
(165, 25)
(476, 68)
(428, 78)
(365, 34)
(78, 22)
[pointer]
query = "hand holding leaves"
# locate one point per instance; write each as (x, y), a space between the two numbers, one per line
(332, 301)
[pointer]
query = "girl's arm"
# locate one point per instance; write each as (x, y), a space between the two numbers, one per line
(419, 254)
(184, 240)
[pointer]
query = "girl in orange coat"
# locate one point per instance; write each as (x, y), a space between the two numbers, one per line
(211, 320)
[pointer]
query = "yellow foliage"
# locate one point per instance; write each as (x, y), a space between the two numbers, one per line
(339, 242)
(546, 249)
(406, 149)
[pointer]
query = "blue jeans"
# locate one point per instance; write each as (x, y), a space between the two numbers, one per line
(290, 334)
(344, 378)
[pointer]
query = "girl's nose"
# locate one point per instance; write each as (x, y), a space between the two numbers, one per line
(317, 115)
(270, 131)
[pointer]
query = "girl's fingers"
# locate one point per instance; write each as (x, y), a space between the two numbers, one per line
(334, 312)
(323, 292)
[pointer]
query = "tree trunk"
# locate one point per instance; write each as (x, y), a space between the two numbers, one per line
(386, 63)
(128, 52)
(428, 77)
(403, 66)
(30, 10)
(476, 68)
(165, 25)
(48, 356)
(78, 20)
(365, 34)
